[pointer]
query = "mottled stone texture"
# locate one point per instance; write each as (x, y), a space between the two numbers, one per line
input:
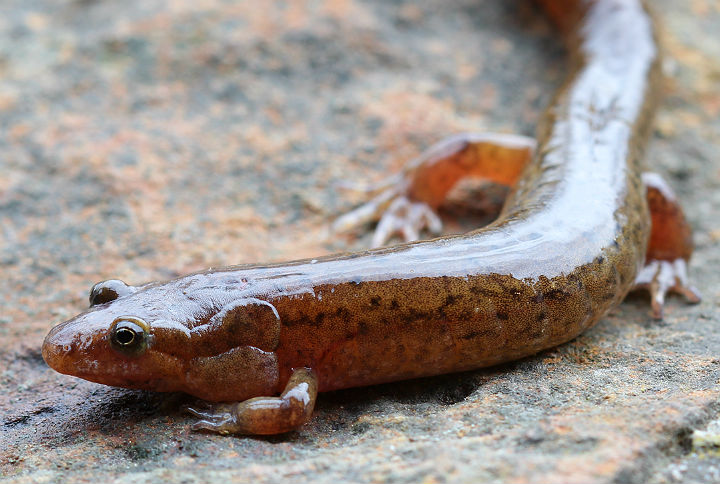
(147, 138)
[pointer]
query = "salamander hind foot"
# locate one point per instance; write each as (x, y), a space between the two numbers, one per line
(661, 277)
(669, 248)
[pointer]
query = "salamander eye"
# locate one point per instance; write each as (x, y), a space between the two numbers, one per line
(109, 290)
(129, 335)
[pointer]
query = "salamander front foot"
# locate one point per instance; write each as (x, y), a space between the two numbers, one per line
(263, 415)
(395, 212)
(406, 203)
(660, 277)
(402, 216)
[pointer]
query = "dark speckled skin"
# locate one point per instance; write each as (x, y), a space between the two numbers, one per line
(565, 249)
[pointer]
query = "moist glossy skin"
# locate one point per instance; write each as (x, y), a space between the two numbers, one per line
(567, 247)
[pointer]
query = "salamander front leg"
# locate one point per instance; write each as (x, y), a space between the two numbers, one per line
(407, 202)
(669, 248)
(264, 415)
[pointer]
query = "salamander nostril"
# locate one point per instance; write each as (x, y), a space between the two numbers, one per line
(53, 350)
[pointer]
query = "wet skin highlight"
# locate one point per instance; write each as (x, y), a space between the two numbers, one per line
(570, 242)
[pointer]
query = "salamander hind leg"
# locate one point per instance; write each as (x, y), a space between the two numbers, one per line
(406, 204)
(263, 415)
(669, 248)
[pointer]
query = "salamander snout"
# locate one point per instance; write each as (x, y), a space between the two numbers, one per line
(102, 347)
(60, 345)
(94, 342)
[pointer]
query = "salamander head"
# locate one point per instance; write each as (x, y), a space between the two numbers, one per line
(114, 341)
(169, 337)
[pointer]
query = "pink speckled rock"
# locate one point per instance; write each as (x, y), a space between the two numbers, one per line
(145, 139)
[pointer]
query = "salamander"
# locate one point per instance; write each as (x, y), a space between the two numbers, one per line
(580, 227)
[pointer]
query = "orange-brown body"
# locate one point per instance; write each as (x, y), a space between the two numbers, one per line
(567, 247)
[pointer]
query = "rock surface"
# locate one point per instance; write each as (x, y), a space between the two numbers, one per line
(149, 138)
